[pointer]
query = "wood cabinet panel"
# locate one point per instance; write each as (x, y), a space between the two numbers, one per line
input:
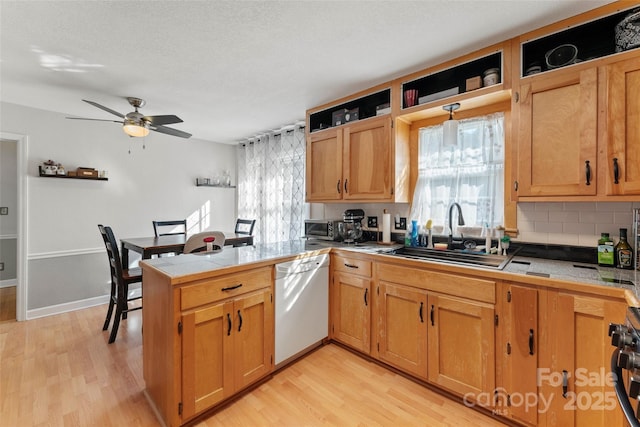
(207, 291)
(351, 310)
(402, 327)
(352, 266)
(579, 356)
(623, 127)
(461, 342)
(557, 138)
(324, 166)
(368, 160)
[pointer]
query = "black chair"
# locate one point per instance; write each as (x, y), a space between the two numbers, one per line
(245, 226)
(121, 278)
(173, 224)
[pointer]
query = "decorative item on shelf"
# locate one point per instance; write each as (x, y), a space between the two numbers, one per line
(49, 167)
(491, 77)
(627, 31)
(561, 56)
(337, 117)
(439, 95)
(534, 68)
(410, 97)
(450, 127)
(473, 83)
(60, 170)
(84, 172)
(226, 178)
(383, 109)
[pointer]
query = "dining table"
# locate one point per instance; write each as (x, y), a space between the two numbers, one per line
(149, 246)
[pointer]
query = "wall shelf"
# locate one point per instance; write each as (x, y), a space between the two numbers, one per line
(85, 178)
(200, 183)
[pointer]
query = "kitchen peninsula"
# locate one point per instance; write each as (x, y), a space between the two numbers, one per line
(468, 332)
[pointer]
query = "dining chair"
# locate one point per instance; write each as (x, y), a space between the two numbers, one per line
(198, 242)
(177, 227)
(121, 278)
(245, 226)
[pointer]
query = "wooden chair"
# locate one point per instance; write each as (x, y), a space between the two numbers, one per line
(245, 226)
(173, 224)
(121, 278)
(198, 244)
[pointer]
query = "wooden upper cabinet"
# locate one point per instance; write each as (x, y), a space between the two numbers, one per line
(557, 137)
(324, 166)
(368, 160)
(623, 126)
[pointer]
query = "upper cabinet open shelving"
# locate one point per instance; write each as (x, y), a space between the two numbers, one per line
(371, 105)
(453, 81)
(577, 43)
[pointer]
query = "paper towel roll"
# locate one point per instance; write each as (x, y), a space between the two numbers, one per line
(386, 228)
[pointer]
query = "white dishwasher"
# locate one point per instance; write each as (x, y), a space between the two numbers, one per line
(302, 305)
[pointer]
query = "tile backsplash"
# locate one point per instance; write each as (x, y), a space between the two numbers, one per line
(570, 223)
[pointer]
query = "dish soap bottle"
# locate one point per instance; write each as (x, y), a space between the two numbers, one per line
(623, 252)
(605, 251)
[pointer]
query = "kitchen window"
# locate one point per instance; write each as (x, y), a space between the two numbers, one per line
(470, 173)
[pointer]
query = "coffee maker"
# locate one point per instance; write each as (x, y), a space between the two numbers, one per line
(351, 226)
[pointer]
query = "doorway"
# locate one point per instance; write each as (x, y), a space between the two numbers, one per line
(12, 226)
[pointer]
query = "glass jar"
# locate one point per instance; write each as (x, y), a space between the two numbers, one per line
(491, 77)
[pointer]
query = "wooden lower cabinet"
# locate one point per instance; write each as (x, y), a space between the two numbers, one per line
(574, 375)
(351, 305)
(205, 339)
(225, 347)
(517, 352)
(402, 327)
(461, 342)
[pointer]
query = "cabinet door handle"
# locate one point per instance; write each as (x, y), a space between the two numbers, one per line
(366, 292)
(230, 288)
(587, 171)
(432, 315)
(345, 186)
(240, 321)
(228, 324)
(421, 318)
(338, 186)
(531, 342)
(565, 383)
(616, 171)
(350, 265)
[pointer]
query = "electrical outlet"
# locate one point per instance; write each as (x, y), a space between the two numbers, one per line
(402, 225)
(1, 266)
(372, 221)
(4, 210)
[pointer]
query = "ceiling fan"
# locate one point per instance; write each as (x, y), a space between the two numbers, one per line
(138, 125)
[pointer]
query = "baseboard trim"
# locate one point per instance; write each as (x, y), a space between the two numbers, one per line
(66, 307)
(8, 283)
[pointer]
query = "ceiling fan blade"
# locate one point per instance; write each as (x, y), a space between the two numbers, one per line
(96, 120)
(171, 131)
(102, 107)
(162, 120)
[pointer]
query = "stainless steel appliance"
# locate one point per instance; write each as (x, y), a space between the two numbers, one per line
(625, 364)
(323, 229)
(302, 306)
(351, 226)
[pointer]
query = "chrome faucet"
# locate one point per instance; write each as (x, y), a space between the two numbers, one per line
(460, 222)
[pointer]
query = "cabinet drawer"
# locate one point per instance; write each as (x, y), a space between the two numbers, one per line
(352, 265)
(450, 284)
(207, 291)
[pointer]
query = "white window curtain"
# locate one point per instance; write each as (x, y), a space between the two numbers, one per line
(271, 184)
(470, 173)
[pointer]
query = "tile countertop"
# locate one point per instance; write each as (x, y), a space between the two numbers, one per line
(577, 272)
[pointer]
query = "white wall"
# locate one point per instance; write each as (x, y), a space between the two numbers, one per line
(157, 182)
(8, 223)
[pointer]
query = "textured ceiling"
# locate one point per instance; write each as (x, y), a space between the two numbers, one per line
(234, 69)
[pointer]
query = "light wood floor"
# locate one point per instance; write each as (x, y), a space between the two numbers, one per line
(60, 371)
(7, 303)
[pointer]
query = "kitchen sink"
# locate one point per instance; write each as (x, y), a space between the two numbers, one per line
(455, 256)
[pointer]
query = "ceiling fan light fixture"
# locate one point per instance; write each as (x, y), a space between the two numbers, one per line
(450, 127)
(135, 129)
